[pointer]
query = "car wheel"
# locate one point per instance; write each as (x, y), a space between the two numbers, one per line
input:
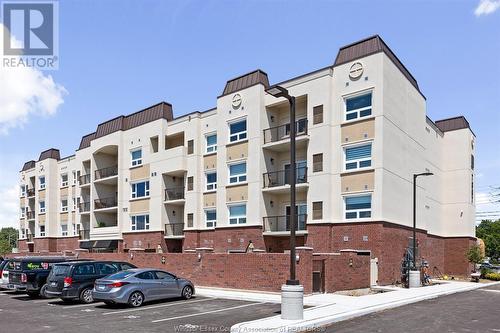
(187, 292)
(86, 296)
(136, 299)
(43, 291)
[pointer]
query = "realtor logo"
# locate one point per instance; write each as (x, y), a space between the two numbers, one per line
(30, 34)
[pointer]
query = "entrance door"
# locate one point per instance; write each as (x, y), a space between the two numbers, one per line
(373, 271)
(318, 276)
(301, 211)
(300, 173)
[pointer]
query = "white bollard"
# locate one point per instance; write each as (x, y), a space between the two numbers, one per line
(292, 302)
(415, 281)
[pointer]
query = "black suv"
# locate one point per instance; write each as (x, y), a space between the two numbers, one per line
(75, 280)
(29, 274)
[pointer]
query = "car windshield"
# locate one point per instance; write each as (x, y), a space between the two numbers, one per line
(119, 275)
(60, 270)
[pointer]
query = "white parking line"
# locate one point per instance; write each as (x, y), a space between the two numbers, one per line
(204, 313)
(157, 306)
(45, 300)
(491, 290)
(69, 307)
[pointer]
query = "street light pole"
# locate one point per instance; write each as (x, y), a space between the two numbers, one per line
(414, 247)
(292, 299)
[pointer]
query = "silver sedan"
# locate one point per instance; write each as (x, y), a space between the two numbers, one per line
(136, 286)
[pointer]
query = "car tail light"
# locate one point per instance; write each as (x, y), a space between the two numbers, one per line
(67, 281)
(117, 284)
(24, 278)
(1, 274)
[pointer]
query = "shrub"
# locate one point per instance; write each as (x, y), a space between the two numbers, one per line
(485, 271)
(492, 276)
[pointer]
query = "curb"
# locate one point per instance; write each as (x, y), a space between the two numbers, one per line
(308, 325)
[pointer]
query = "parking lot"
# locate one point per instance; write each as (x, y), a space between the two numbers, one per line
(20, 313)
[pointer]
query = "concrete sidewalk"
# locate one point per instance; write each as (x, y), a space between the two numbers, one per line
(331, 308)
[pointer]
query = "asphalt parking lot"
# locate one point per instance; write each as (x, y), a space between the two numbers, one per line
(472, 311)
(199, 314)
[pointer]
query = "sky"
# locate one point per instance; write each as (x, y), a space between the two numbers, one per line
(117, 57)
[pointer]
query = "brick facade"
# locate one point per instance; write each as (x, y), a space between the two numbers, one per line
(148, 241)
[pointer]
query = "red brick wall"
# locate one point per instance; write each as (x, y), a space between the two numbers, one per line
(22, 245)
(345, 271)
(45, 244)
(455, 250)
(67, 243)
(144, 240)
(224, 239)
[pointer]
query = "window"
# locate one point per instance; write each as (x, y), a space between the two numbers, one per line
(64, 180)
(211, 143)
(75, 230)
(104, 268)
(238, 131)
(140, 222)
(64, 205)
(23, 212)
(317, 210)
(149, 275)
(42, 230)
(140, 189)
(74, 204)
(472, 188)
(317, 114)
(358, 207)
(136, 157)
(317, 162)
(154, 144)
(23, 190)
(74, 177)
(238, 214)
(41, 204)
(164, 275)
(85, 269)
(190, 220)
(211, 181)
(358, 157)
(64, 229)
(472, 162)
(41, 180)
(211, 218)
(300, 127)
(190, 146)
(237, 173)
(190, 182)
(358, 107)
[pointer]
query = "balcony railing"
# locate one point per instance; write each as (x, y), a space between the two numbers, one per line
(84, 207)
(282, 223)
(283, 177)
(282, 132)
(30, 192)
(84, 234)
(30, 215)
(174, 193)
(84, 179)
(106, 172)
(174, 229)
(105, 203)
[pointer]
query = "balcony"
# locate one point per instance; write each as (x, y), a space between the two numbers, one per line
(176, 161)
(84, 207)
(30, 192)
(30, 215)
(174, 230)
(278, 138)
(174, 195)
(105, 203)
(84, 180)
(106, 173)
(280, 225)
(279, 181)
(84, 234)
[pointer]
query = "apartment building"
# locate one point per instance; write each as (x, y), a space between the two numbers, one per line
(219, 179)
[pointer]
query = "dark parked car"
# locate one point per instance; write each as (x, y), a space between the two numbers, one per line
(75, 280)
(29, 274)
(136, 286)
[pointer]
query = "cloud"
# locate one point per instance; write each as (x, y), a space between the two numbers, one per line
(26, 92)
(486, 7)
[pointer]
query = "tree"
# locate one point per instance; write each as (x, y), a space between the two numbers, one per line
(8, 238)
(474, 255)
(489, 232)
